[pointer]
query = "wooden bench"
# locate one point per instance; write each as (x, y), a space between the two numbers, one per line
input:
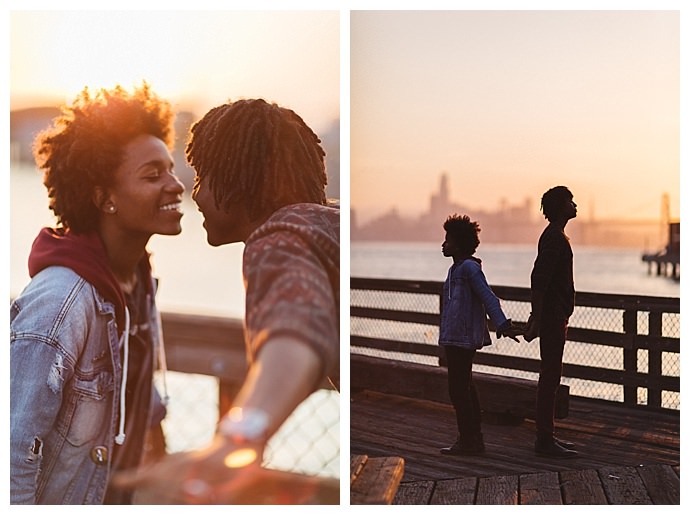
(374, 480)
(504, 399)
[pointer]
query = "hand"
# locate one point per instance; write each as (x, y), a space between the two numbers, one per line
(511, 331)
(196, 477)
(203, 477)
(531, 329)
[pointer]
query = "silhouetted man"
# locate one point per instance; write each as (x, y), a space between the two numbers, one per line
(553, 301)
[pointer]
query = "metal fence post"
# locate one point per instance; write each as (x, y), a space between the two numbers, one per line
(654, 366)
(630, 355)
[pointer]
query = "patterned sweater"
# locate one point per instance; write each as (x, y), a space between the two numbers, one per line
(291, 269)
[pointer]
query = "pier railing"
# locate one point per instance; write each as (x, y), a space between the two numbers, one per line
(207, 357)
(621, 348)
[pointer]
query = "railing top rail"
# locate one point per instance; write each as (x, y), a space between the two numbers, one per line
(582, 298)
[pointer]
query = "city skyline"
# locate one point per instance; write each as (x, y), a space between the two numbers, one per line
(420, 207)
(511, 222)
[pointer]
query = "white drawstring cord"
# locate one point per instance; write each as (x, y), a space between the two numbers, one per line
(162, 359)
(120, 438)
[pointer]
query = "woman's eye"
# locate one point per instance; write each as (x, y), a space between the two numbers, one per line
(153, 173)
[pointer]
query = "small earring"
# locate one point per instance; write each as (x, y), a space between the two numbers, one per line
(111, 208)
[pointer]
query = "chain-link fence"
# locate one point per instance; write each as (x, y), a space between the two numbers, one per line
(605, 323)
(307, 443)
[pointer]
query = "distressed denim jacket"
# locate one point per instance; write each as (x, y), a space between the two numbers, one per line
(467, 299)
(66, 377)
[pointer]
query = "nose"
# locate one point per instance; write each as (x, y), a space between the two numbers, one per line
(175, 185)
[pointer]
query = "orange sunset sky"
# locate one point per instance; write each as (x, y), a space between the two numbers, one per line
(507, 103)
(198, 59)
(510, 103)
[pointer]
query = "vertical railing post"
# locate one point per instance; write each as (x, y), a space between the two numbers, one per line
(654, 371)
(442, 362)
(630, 355)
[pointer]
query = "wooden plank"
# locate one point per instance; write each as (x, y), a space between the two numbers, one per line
(382, 344)
(497, 490)
(582, 487)
(455, 491)
(541, 488)
(623, 485)
(662, 482)
(378, 481)
(605, 435)
(416, 492)
(396, 315)
(399, 285)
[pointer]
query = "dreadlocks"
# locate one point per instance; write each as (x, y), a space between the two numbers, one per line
(259, 154)
(552, 201)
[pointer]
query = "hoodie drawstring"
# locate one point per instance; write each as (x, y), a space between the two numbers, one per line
(120, 438)
(162, 362)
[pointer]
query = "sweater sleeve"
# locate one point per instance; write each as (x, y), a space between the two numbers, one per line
(289, 293)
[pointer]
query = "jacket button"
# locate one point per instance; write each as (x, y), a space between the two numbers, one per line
(99, 455)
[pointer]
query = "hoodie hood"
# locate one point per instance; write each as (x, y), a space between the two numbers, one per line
(85, 255)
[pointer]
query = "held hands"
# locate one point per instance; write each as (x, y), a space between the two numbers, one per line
(196, 477)
(220, 474)
(224, 472)
(510, 330)
(529, 331)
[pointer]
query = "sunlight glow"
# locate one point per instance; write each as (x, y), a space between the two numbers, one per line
(240, 458)
(198, 59)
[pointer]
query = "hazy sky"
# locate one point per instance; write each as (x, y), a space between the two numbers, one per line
(198, 59)
(512, 103)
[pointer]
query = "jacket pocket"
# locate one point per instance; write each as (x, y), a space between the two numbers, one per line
(88, 409)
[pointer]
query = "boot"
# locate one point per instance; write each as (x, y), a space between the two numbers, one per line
(551, 449)
(472, 445)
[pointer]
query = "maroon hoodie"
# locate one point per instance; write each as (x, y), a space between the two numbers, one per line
(86, 256)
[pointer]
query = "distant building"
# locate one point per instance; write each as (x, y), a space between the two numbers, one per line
(25, 124)
(509, 224)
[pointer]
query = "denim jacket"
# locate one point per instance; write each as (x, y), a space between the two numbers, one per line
(66, 376)
(467, 299)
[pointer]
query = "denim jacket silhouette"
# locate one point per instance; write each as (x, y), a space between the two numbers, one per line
(467, 299)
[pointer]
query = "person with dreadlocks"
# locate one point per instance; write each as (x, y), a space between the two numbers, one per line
(553, 301)
(261, 179)
(85, 335)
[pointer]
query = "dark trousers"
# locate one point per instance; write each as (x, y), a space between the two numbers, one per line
(552, 336)
(461, 389)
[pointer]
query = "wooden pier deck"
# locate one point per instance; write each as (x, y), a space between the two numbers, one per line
(627, 456)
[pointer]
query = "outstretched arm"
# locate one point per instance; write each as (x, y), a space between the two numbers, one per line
(229, 471)
(285, 372)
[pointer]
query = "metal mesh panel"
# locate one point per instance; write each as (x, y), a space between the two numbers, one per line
(307, 443)
(576, 353)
